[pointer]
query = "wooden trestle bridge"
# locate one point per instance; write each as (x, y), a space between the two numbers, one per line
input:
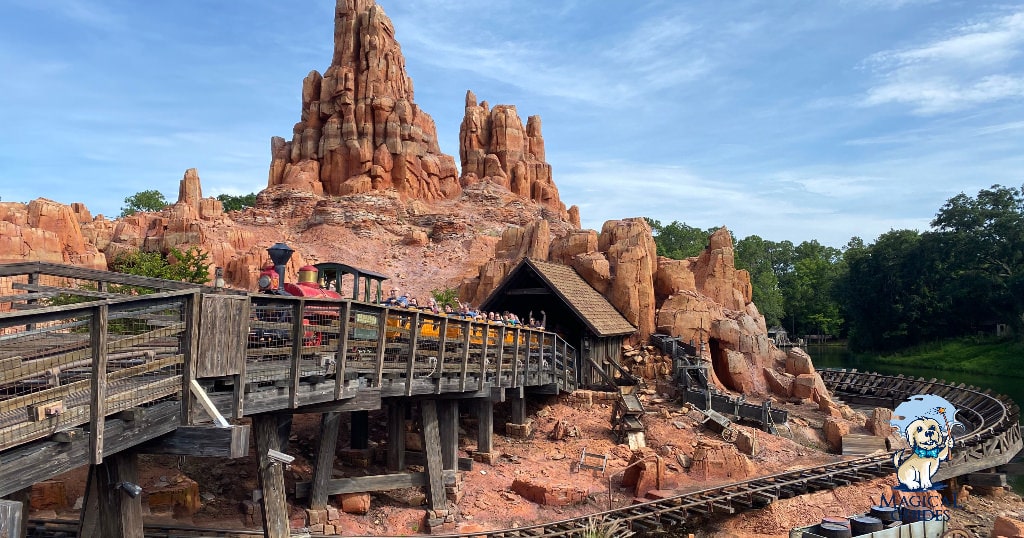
(96, 367)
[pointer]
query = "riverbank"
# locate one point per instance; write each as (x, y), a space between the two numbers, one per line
(988, 355)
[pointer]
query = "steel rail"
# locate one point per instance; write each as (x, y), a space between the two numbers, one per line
(993, 418)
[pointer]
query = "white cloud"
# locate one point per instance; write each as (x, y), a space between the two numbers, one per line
(975, 64)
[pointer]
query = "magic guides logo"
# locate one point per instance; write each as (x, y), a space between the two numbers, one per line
(927, 423)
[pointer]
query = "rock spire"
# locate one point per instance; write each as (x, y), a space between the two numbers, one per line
(494, 146)
(360, 129)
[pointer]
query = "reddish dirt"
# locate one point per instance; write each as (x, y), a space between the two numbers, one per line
(489, 503)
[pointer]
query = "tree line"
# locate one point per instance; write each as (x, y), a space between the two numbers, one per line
(962, 276)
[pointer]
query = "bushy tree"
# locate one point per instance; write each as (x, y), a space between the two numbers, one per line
(192, 265)
(150, 200)
(677, 240)
(756, 256)
(237, 203)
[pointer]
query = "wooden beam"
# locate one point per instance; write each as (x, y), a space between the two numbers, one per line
(330, 423)
(360, 484)
(298, 333)
(25, 465)
(342, 352)
(432, 446)
(203, 441)
(414, 326)
(485, 425)
(396, 435)
(448, 421)
(204, 400)
(98, 382)
(109, 508)
(14, 514)
(271, 477)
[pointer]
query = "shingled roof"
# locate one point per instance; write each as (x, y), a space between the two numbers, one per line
(596, 312)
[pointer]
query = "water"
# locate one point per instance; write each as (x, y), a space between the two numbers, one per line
(838, 357)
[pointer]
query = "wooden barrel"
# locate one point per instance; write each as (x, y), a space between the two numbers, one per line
(832, 530)
(836, 521)
(885, 513)
(865, 524)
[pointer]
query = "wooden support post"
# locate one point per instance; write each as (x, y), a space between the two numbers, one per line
(271, 477)
(98, 385)
(529, 352)
(515, 357)
(322, 473)
(298, 333)
(342, 354)
(467, 331)
(443, 340)
(14, 513)
(360, 428)
(499, 355)
(485, 425)
(396, 435)
(518, 403)
(110, 507)
(483, 355)
(448, 419)
(190, 347)
(414, 332)
(382, 323)
(432, 446)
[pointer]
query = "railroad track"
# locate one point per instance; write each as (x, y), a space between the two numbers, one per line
(992, 438)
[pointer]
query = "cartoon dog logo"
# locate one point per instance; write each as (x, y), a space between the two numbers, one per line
(931, 441)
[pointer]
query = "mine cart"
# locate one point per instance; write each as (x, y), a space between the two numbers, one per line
(719, 423)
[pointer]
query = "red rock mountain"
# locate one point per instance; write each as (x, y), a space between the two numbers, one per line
(363, 182)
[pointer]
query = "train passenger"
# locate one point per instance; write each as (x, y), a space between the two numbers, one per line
(432, 306)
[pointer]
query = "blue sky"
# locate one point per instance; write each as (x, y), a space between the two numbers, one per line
(821, 119)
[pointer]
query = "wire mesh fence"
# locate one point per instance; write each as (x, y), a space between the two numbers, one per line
(53, 347)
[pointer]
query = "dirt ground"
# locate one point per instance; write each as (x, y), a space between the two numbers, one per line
(489, 502)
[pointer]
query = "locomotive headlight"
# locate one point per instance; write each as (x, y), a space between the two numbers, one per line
(263, 282)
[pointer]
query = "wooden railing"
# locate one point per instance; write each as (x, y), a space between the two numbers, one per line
(361, 345)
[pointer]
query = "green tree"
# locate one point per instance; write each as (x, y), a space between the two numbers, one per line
(755, 255)
(807, 289)
(151, 200)
(446, 297)
(985, 240)
(192, 265)
(677, 240)
(237, 203)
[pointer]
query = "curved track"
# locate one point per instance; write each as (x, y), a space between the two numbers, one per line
(992, 438)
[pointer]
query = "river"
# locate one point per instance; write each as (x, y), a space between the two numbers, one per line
(833, 356)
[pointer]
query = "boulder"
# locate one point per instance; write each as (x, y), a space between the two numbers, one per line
(834, 429)
(1008, 527)
(779, 383)
(354, 503)
(549, 494)
(798, 362)
(878, 424)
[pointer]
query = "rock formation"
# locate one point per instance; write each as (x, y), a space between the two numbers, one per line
(44, 230)
(360, 129)
(494, 146)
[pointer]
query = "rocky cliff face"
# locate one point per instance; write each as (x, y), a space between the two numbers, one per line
(360, 130)
(494, 146)
(701, 299)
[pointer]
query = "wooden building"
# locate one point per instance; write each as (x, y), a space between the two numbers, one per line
(572, 308)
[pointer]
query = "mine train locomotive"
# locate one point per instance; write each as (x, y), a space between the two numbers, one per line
(271, 281)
